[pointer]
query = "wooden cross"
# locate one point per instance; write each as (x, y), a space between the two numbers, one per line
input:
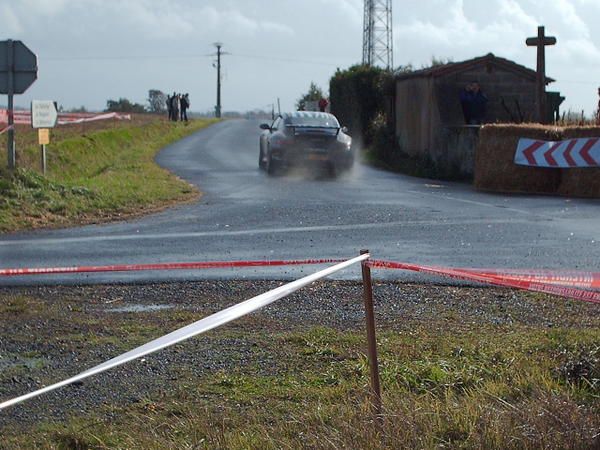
(541, 41)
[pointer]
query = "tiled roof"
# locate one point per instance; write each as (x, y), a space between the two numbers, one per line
(456, 67)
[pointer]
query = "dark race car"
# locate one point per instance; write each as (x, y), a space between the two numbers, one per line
(305, 138)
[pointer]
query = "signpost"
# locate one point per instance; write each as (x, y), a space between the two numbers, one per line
(18, 71)
(44, 116)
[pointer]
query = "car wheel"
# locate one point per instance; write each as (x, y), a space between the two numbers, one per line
(261, 160)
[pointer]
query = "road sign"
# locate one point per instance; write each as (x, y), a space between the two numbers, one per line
(18, 70)
(44, 136)
(43, 114)
(581, 152)
(18, 66)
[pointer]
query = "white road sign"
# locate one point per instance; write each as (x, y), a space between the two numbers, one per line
(43, 114)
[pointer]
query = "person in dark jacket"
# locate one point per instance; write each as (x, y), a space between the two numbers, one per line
(474, 104)
(185, 104)
(175, 107)
(169, 107)
(479, 102)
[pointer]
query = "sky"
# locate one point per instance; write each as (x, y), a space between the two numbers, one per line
(90, 51)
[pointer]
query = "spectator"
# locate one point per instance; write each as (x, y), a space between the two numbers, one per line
(598, 111)
(323, 104)
(479, 104)
(474, 103)
(175, 107)
(465, 101)
(169, 107)
(185, 104)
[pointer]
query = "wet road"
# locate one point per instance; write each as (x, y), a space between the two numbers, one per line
(244, 214)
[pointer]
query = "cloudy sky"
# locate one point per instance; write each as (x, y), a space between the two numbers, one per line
(93, 50)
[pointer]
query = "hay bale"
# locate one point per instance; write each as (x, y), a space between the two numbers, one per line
(584, 182)
(495, 169)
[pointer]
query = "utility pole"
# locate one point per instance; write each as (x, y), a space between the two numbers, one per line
(378, 45)
(218, 107)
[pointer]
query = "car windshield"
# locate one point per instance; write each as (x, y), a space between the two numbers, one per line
(312, 119)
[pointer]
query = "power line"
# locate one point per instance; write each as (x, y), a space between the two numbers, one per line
(119, 57)
(161, 57)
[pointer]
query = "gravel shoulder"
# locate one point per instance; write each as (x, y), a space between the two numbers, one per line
(50, 333)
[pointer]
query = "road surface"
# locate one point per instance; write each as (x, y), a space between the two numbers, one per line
(245, 214)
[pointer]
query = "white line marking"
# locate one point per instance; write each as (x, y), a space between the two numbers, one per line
(221, 233)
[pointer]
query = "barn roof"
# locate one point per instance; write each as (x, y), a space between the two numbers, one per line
(452, 68)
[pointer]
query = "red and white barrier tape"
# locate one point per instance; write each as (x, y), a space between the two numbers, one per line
(4, 130)
(583, 280)
(189, 331)
(163, 266)
(564, 283)
(496, 280)
(24, 117)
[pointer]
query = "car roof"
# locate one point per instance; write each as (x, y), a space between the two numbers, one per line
(308, 114)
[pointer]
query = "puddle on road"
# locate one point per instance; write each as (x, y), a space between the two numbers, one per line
(137, 307)
(9, 361)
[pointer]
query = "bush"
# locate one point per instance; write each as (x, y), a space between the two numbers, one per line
(358, 95)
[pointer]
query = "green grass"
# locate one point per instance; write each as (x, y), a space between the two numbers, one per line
(96, 176)
(492, 388)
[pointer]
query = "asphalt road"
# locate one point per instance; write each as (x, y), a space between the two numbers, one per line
(245, 214)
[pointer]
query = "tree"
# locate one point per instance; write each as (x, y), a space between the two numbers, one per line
(157, 100)
(124, 105)
(314, 94)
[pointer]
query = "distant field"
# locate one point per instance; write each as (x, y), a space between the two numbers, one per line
(97, 172)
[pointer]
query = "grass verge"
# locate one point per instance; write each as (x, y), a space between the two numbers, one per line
(447, 383)
(93, 176)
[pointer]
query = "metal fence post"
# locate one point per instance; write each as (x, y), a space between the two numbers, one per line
(372, 341)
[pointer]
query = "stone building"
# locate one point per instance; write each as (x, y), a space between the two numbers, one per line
(429, 119)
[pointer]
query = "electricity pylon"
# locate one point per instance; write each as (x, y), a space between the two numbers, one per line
(377, 34)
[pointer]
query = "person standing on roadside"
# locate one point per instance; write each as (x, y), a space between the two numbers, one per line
(185, 104)
(175, 107)
(323, 104)
(598, 111)
(169, 107)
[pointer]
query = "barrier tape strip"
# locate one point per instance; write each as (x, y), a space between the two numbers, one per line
(163, 266)
(24, 117)
(584, 280)
(460, 274)
(189, 331)
(4, 130)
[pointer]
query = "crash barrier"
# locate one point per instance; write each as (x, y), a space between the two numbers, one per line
(570, 284)
(24, 117)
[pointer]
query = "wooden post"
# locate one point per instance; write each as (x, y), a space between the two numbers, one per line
(43, 158)
(372, 341)
(10, 137)
(541, 41)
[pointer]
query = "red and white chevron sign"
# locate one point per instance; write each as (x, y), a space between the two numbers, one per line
(582, 152)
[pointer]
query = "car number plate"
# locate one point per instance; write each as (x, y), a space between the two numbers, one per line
(314, 157)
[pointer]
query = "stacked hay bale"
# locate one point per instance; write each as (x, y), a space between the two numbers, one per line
(584, 182)
(495, 169)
